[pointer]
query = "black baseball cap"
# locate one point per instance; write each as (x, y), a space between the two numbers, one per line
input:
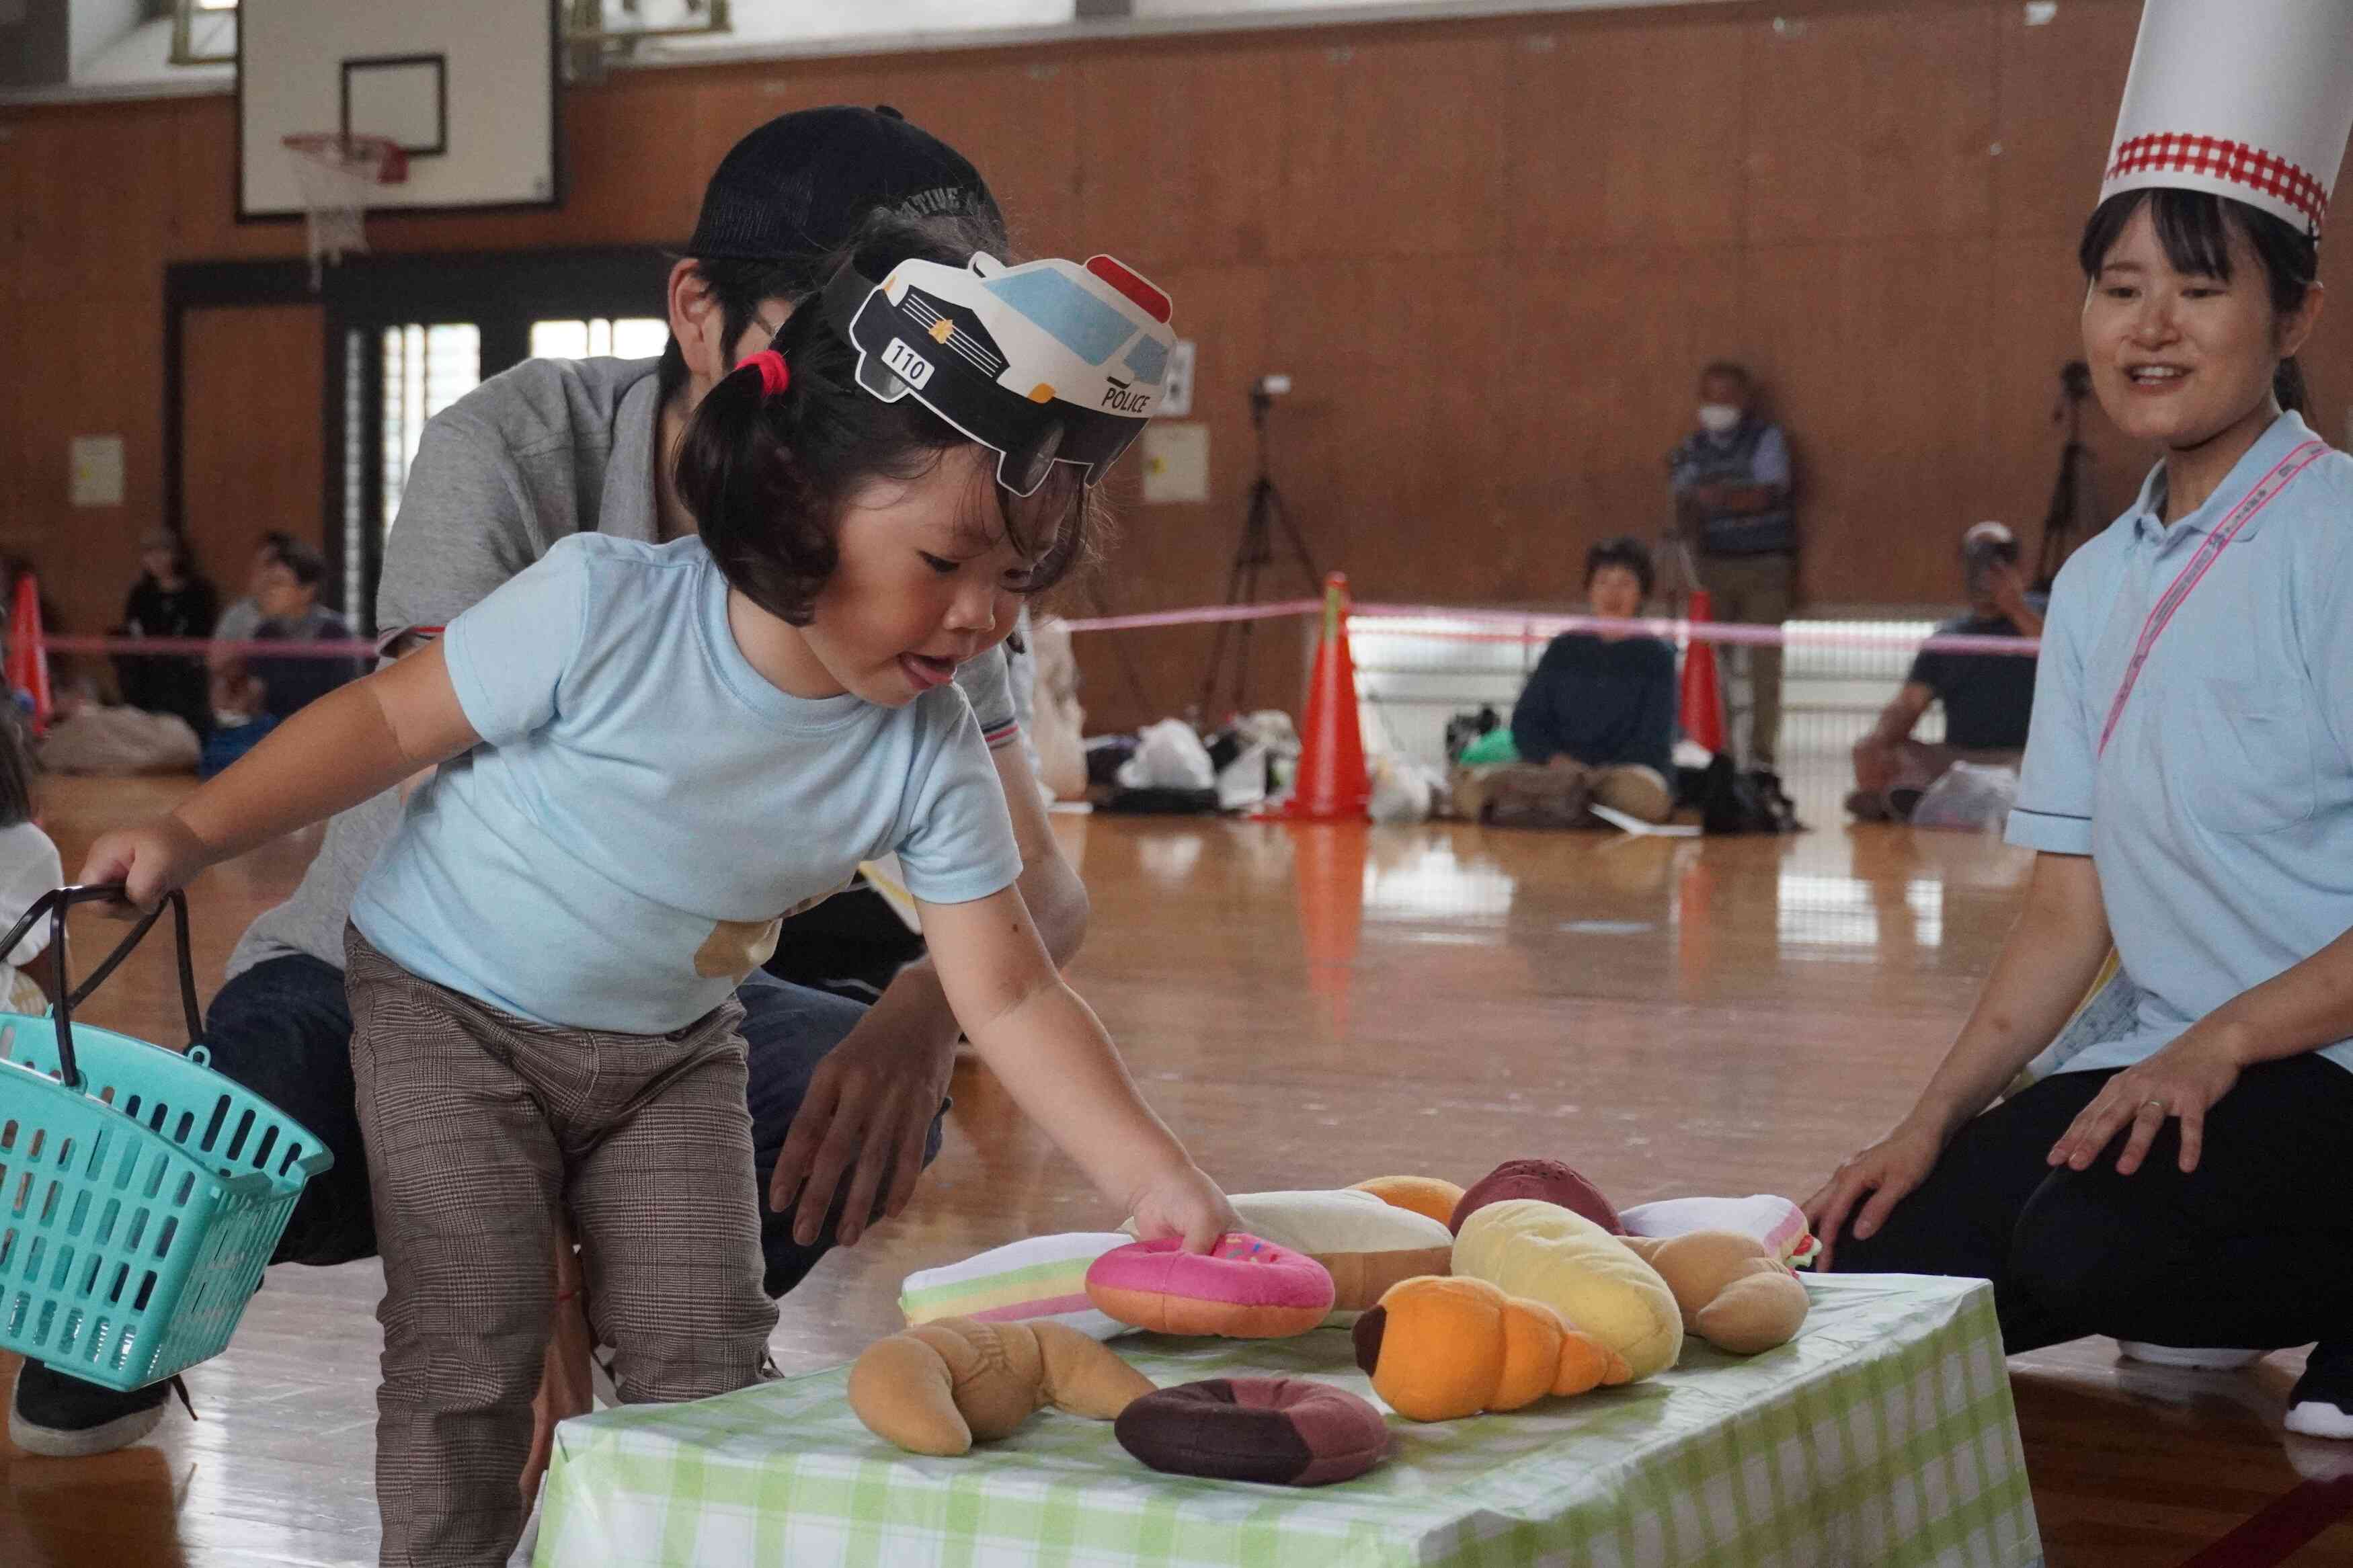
(804, 184)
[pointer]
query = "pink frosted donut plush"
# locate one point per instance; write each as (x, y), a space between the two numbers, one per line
(1243, 1289)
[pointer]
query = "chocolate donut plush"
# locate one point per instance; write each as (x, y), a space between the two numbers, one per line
(1278, 1431)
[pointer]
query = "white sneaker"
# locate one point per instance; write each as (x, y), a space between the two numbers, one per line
(2321, 1403)
(2190, 1360)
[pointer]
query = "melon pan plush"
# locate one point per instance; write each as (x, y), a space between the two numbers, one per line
(1542, 1252)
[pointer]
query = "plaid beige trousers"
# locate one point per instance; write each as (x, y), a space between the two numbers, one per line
(479, 1128)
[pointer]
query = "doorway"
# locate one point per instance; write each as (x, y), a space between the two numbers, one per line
(295, 410)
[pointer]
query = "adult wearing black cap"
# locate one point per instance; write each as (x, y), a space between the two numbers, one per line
(845, 1100)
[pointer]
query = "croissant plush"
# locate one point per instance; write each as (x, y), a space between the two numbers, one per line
(940, 1387)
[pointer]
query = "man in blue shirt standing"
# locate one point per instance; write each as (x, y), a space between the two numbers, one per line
(1733, 502)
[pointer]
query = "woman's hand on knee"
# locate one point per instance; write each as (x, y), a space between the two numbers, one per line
(1886, 1171)
(2184, 1080)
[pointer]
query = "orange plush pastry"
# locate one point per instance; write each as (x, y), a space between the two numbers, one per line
(1441, 1349)
(1733, 1289)
(1430, 1195)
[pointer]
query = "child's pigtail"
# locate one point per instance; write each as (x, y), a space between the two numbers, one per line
(736, 474)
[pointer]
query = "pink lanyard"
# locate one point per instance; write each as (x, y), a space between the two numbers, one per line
(2265, 491)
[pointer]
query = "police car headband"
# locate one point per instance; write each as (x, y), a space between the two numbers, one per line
(1046, 362)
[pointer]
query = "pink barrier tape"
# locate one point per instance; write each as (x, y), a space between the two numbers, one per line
(1204, 615)
(1509, 627)
(186, 645)
(1529, 626)
(1535, 627)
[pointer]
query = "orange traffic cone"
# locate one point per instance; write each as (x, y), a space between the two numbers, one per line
(1332, 784)
(28, 661)
(1702, 714)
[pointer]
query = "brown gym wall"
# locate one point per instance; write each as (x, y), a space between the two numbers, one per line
(1491, 253)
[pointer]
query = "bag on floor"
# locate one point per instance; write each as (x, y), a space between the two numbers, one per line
(1972, 797)
(1169, 756)
(1734, 802)
(1403, 789)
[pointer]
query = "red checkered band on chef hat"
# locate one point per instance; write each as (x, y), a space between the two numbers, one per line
(2251, 99)
(2219, 157)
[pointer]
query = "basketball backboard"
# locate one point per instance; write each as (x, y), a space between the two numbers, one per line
(466, 88)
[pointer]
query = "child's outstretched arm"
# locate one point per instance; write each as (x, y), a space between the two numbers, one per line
(1063, 1071)
(348, 746)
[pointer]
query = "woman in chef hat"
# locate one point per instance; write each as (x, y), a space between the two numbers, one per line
(2183, 1178)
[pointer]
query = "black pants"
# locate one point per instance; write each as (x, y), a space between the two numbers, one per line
(2254, 1250)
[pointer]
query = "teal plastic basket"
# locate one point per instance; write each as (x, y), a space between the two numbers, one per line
(141, 1193)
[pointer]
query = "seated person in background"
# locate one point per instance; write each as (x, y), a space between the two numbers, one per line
(287, 595)
(242, 616)
(1604, 701)
(170, 599)
(1987, 697)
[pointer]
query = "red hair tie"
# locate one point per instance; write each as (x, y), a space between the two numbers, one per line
(774, 374)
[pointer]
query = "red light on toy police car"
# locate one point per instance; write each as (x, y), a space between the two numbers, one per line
(1116, 273)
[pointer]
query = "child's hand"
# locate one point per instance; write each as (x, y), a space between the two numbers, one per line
(1185, 1203)
(150, 860)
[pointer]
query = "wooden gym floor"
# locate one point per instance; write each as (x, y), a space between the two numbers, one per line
(1310, 1007)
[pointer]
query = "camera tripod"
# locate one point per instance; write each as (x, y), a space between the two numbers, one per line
(1266, 518)
(2069, 496)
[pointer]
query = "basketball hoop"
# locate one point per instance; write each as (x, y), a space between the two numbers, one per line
(337, 174)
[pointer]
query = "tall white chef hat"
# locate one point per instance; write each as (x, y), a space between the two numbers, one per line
(2246, 99)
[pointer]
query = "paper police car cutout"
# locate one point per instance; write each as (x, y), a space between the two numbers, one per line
(1045, 363)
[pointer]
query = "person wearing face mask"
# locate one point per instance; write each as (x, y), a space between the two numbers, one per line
(1732, 504)
(1987, 696)
(2181, 1174)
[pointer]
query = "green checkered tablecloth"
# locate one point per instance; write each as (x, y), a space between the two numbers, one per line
(1883, 1435)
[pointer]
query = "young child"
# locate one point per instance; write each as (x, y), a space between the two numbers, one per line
(648, 755)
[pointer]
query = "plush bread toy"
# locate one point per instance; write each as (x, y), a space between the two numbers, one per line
(1546, 1253)
(1433, 1197)
(1275, 1431)
(1246, 1287)
(1776, 1222)
(1365, 1244)
(1438, 1350)
(1732, 1289)
(938, 1388)
(1547, 1180)
(1044, 1277)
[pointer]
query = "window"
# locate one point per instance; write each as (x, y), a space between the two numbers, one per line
(204, 32)
(1076, 319)
(625, 337)
(425, 369)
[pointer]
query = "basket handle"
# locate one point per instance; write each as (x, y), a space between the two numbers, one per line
(54, 905)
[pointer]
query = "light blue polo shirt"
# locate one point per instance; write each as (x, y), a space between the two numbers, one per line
(2221, 816)
(645, 807)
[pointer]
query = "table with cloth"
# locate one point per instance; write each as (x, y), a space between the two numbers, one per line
(1883, 1435)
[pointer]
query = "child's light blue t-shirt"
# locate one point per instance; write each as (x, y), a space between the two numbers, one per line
(645, 808)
